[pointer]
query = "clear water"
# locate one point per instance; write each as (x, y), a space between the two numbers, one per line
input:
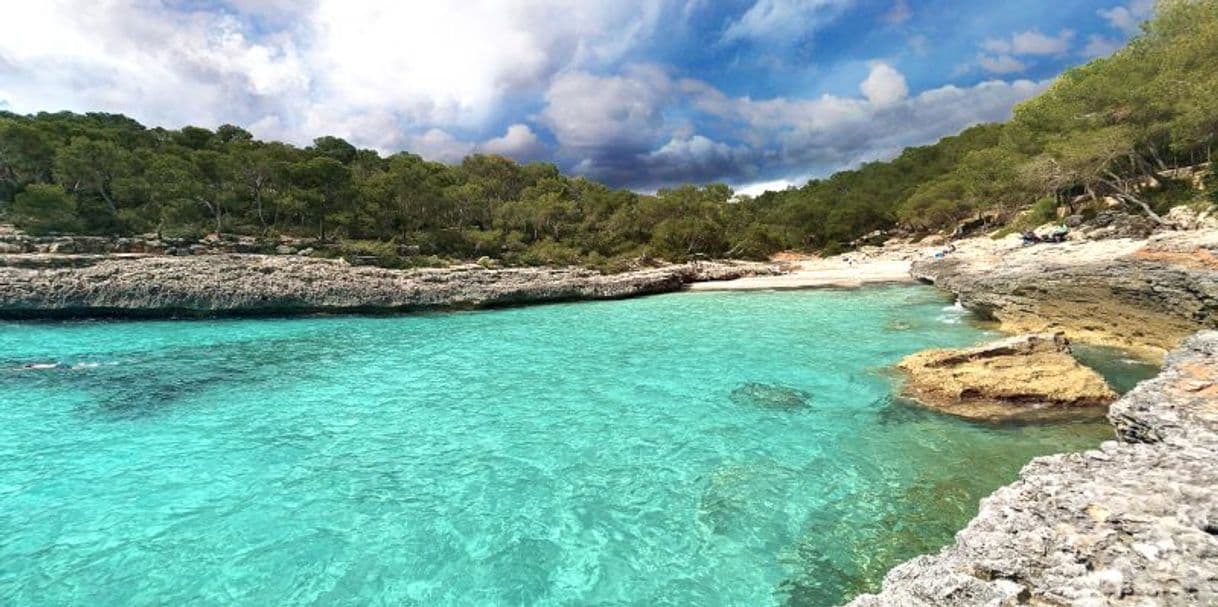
(690, 449)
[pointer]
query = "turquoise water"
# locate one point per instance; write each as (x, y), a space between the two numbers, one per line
(689, 449)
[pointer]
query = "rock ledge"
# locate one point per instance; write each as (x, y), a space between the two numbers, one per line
(1134, 523)
(1024, 376)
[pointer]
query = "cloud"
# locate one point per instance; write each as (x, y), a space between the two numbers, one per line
(295, 67)
(587, 111)
(637, 129)
(439, 145)
(1129, 17)
(520, 142)
(1001, 64)
(884, 85)
(783, 20)
(486, 76)
(1031, 42)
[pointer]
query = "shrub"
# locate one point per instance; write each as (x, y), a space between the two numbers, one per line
(45, 208)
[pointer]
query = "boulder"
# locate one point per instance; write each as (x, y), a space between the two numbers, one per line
(1031, 375)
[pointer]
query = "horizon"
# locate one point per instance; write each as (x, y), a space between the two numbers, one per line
(758, 94)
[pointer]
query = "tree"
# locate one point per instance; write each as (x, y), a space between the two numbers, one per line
(43, 208)
(92, 165)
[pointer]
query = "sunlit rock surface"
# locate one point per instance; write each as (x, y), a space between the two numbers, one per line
(1021, 376)
(1132, 523)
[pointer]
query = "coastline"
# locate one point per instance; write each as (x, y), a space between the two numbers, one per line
(1134, 522)
(144, 286)
(1108, 527)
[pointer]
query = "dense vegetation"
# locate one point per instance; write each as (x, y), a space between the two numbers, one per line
(1099, 131)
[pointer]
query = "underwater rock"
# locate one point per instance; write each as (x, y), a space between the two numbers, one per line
(1015, 377)
(771, 396)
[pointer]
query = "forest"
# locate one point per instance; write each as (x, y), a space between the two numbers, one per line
(1096, 133)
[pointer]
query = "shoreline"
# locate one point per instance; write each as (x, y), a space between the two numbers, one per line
(827, 273)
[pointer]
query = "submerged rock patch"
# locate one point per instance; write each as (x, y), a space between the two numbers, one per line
(771, 396)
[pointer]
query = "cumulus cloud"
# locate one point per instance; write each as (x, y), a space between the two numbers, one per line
(321, 62)
(519, 142)
(487, 76)
(884, 85)
(1000, 55)
(586, 111)
(1129, 17)
(636, 130)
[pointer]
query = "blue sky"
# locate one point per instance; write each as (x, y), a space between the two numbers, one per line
(637, 93)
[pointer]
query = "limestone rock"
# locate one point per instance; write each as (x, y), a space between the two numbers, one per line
(1142, 295)
(1134, 523)
(1027, 375)
(230, 284)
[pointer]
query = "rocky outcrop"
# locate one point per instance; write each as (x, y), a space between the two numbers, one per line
(1142, 295)
(1134, 523)
(1026, 376)
(110, 285)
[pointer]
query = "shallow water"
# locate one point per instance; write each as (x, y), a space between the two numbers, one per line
(687, 449)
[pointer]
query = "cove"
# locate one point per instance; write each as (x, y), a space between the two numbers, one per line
(695, 448)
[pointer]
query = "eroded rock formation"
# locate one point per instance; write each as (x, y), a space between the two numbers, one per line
(1018, 377)
(1133, 523)
(1146, 296)
(34, 286)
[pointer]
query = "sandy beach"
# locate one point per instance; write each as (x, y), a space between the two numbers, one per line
(814, 273)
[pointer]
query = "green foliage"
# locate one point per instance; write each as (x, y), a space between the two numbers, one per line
(1044, 211)
(45, 208)
(1098, 129)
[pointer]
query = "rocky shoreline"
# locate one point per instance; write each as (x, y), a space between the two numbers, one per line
(1143, 295)
(143, 286)
(1132, 523)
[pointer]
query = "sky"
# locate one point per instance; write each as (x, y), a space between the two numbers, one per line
(636, 93)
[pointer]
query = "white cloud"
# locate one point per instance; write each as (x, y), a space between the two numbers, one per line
(1129, 18)
(1031, 42)
(439, 145)
(520, 142)
(1001, 64)
(588, 111)
(373, 71)
(783, 20)
(884, 85)
(758, 188)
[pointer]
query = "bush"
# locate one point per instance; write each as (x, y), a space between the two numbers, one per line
(45, 208)
(1041, 212)
(549, 253)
